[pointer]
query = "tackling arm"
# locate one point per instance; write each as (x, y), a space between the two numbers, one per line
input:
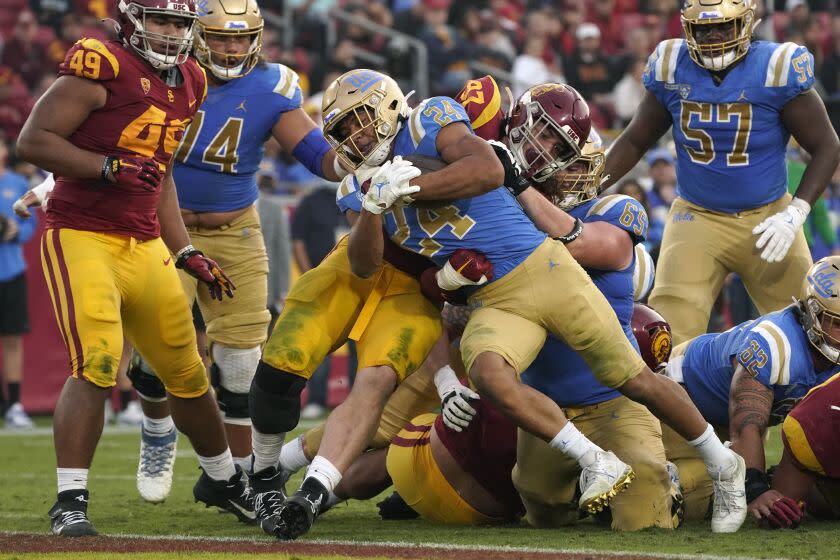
(806, 119)
(651, 121)
(58, 113)
(298, 134)
(601, 245)
(473, 167)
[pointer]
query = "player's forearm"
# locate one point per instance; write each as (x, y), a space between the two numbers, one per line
(469, 176)
(622, 156)
(545, 215)
(817, 176)
(748, 442)
(366, 244)
(172, 229)
(53, 153)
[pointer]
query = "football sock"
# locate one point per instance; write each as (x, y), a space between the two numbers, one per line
(571, 442)
(244, 462)
(219, 467)
(324, 472)
(717, 457)
(14, 392)
(158, 426)
(266, 449)
(125, 398)
(292, 456)
(71, 479)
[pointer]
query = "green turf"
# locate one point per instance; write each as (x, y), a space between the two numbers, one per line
(28, 490)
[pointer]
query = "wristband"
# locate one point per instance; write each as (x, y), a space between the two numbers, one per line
(577, 229)
(756, 484)
(110, 164)
(182, 255)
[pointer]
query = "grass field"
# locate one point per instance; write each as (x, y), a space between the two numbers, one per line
(27, 491)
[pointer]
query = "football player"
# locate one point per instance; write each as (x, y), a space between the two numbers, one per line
(808, 477)
(107, 128)
(732, 104)
(248, 100)
(749, 377)
(381, 308)
(515, 310)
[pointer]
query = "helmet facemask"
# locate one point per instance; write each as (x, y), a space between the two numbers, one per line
(170, 50)
(818, 323)
(368, 118)
(241, 64)
(719, 55)
(540, 164)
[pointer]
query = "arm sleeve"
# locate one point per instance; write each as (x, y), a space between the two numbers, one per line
(91, 59)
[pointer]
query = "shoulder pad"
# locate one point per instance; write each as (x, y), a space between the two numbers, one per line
(432, 115)
(643, 273)
(288, 84)
(790, 66)
(483, 103)
(606, 203)
(777, 346)
(91, 59)
(662, 64)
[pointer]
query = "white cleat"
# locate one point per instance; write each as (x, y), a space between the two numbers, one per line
(157, 463)
(131, 416)
(729, 508)
(17, 418)
(603, 480)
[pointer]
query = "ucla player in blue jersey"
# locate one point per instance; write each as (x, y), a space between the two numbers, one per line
(248, 101)
(537, 286)
(545, 480)
(749, 378)
(732, 104)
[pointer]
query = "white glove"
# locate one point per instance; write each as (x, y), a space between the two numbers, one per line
(779, 230)
(390, 184)
(455, 406)
(37, 196)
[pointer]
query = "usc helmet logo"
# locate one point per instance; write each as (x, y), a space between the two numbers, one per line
(660, 345)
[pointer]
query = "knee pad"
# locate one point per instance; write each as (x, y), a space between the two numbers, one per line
(145, 382)
(274, 400)
(231, 375)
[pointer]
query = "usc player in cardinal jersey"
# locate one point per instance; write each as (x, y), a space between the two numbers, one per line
(107, 128)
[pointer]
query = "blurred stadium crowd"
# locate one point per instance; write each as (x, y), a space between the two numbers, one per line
(597, 46)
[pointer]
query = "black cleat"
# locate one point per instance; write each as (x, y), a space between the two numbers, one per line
(297, 515)
(394, 508)
(269, 496)
(233, 496)
(68, 517)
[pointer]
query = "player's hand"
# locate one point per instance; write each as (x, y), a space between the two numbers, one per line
(129, 171)
(515, 180)
(776, 511)
(389, 184)
(779, 230)
(455, 399)
(464, 268)
(194, 263)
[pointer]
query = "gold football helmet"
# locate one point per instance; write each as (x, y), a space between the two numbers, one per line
(378, 106)
(719, 54)
(820, 303)
(226, 18)
(580, 181)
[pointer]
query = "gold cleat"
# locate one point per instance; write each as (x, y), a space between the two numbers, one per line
(596, 477)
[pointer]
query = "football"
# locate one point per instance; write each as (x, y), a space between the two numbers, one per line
(426, 164)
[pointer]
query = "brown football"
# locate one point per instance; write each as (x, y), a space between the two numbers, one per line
(426, 164)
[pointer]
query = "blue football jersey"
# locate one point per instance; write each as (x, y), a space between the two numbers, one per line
(216, 163)
(773, 348)
(730, 137)
(492, 223)
(559, 371)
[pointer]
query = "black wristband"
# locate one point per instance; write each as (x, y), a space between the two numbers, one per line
(112, 165)
(185, 254)
(756, 484)
(574, 234)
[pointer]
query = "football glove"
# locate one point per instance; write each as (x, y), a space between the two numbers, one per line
(464, 268)
(135, 172)
(779, 230)
(776, 511)
(515, 181)
(193, 262)
(455, 399)
(37, 196)
(390, 184)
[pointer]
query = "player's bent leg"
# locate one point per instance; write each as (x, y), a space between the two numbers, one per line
(546, 481)
(694, 480)
(348, 430)
(231, 374)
